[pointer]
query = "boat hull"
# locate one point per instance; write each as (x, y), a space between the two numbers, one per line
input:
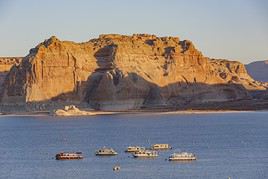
(181, 159)
(133, 151)
(105, 154)
(144, 156)
(69, 158)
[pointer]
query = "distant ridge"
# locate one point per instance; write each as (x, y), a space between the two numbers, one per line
(258, 70)
(5, 65)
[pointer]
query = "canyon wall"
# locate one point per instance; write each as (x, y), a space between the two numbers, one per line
(6, 64)
(118, 72)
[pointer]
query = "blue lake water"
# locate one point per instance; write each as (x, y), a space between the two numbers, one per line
(227, 145)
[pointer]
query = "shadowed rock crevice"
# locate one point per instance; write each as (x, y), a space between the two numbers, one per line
(179, 95)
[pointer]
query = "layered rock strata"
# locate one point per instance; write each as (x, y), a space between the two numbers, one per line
(5, 65)
(117, 72)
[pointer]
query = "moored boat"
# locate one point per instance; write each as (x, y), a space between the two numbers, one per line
(145, 154)
(69, 156)
(161, 147)
(133, 149)
(106, 152)
(182, 156)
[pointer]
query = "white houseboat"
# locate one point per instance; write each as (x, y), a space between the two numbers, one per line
(161, 147)
(182, 156)
(106, 152)
(145, 154)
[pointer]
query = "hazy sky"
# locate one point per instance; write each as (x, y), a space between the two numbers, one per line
(232, 29)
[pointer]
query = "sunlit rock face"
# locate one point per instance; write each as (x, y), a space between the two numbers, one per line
(118, 72)
(6, 64)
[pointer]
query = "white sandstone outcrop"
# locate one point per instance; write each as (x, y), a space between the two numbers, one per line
(72, 111)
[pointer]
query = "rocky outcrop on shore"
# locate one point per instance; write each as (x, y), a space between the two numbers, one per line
(72, 111)
(118, 72)
(258, 70)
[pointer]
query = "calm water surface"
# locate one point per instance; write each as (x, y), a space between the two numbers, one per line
(227, 144)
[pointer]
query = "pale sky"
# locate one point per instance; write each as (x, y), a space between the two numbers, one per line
(231, 29)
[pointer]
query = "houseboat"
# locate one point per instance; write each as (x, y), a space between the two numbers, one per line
(182, 156)
(145, 154)
(133, 149)
(161, 147)
(106, 152)
(69, 156)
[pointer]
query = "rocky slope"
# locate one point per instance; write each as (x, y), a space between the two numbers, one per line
(118, 72)
(258, 70)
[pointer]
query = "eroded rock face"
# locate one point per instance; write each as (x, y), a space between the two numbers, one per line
(126, 72)
(6, 64)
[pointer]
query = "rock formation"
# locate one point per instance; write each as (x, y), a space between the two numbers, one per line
(7, 62)
(5, 65)
(118, 72)
(72, 111)
(258, 70)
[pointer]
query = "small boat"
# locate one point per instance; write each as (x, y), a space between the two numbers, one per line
(133, 149)
(116, 168)
(145, 154)
(161, 147)
(69, 156)
(182, 156)
(106, 152)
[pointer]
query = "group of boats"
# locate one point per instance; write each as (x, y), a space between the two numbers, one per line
(136, 151)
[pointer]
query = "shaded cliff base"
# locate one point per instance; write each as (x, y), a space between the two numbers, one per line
(212, 107)
(190, 97)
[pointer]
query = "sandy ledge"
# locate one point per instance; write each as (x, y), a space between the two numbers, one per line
(97, 113)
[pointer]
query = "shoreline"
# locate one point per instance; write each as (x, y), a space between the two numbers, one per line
(98, 113)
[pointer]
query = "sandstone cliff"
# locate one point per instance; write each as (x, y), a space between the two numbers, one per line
(126, 72)
(7, 62)
(5, 65)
